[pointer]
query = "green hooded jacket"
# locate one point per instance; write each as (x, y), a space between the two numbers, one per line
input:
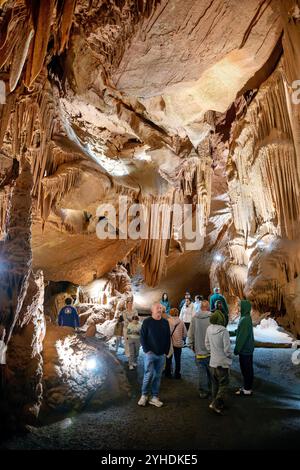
(244, 334)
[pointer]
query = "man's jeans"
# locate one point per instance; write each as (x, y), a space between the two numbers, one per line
(153, 367)
(204, 375)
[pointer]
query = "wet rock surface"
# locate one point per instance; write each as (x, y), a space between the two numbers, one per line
(79, 373)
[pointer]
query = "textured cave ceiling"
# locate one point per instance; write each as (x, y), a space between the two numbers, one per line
(157, 100)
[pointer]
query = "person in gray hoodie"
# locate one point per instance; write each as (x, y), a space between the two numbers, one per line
(217, 341)
(196, 341)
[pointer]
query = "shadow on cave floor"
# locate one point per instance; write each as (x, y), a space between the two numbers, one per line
(268, 420)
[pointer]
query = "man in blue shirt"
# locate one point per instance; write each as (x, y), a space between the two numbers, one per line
(68, 315)
(155, 341)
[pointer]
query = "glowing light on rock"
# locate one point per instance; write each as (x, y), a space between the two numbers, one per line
(91, 363)
(261, 245)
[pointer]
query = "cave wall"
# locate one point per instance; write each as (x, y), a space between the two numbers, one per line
(261, 261)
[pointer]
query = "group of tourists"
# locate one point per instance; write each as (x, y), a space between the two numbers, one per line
(199, 324)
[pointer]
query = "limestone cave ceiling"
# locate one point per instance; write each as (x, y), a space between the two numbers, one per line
(160, 101)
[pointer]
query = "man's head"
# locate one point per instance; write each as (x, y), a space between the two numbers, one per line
(198, 298)
(205, 306)
(165, 296)
(187, 301)
(68, 301)
(135, 319)
(217, 290)
(219, 305)
(157, 311)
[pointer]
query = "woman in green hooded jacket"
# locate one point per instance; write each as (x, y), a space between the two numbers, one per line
(244, 347)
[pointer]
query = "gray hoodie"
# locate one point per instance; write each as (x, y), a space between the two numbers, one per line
(197, 332)
(217, 341)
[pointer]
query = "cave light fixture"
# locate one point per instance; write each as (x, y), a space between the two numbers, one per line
(261, 244)
(142, 156)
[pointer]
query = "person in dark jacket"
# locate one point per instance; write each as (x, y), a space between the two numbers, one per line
(165, 303)
(68, 315)
(244, 347)
(155, 341)
(214, 298)
(182, 302)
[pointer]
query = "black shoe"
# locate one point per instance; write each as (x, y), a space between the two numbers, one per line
(177, 376)
(168, 376)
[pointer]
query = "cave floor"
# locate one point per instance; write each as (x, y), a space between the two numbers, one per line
(267, 420)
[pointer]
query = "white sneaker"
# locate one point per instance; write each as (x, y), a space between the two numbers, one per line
(143, 400)
(156, 402)
(131, 367)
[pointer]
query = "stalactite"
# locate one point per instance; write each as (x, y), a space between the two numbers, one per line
(15, 19)
(193, 178)
(271, 270)
(20, 54)
(5, 115)
(26, 33)
(5, 195)
(56, 186)
(291, 65)
(230, 273)
(39, 45)
(154, 248)
(266, 188)
(64, 23)
(132, 260)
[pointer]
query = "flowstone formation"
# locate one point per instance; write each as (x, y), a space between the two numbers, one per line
(157, 105)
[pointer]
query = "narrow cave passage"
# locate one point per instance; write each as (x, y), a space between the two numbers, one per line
(149, 224)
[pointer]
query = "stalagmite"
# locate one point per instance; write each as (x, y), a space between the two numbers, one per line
(16, 255)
